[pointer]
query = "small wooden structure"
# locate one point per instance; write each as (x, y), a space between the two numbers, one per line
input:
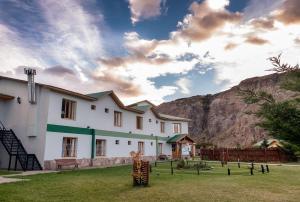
(140, 170)
(66, 162)
(182, 146)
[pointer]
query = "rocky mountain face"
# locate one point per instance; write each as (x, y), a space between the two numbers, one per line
(222, 119)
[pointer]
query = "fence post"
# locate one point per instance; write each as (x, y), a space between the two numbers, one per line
(172, 172)
(228, 171)
(251, 171)
(198, 168)
(239, 164)
(262, 169)
(267, 167)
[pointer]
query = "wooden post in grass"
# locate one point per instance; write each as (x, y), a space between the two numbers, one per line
(267, 167)
(172, 171)
(239, 164)
(198, 169)
(262, 169)
(251, 171)
(252, 165)
(171, 163)
(228, 171)
(155, 163)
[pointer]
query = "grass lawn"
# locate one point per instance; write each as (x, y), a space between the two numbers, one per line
(115, 184)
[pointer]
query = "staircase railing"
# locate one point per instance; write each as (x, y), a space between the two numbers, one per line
(15, 148)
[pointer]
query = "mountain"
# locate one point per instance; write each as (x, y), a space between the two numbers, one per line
(222, 119)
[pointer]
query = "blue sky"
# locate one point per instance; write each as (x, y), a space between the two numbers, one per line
(146, 49)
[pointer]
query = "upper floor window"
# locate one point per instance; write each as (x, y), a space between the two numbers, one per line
(162, 127)
(177, 127)
(68, 109)
(69, 147)
(117, 118)
(139, 122)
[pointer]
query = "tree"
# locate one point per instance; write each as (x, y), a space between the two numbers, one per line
(280, 118)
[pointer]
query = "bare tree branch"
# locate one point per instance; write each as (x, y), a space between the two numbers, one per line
(281, 67)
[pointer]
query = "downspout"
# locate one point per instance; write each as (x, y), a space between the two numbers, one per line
(93, 146)
(156, 144)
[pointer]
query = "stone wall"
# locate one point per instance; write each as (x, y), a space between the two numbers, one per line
(98, 162)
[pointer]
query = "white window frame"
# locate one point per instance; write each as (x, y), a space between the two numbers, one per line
(73, 145)
(177, 128)
(141, 147)
(102, 147)
(117, 118)
(68, 109)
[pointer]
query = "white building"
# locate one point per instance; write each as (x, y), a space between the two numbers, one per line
(96, 129)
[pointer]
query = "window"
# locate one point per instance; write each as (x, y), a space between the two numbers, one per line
(150, 120)
(139, 122)
(151, 143)
(129, 142)
(162, 127)
(93, 107)
(141, 147)
(117, 141)
(160, 146)
(177, 127)
(117, 118)
(100, 147)
(106, 110)
(69, 147)
(68, 109)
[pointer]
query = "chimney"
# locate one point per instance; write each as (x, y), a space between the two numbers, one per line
(31, 85)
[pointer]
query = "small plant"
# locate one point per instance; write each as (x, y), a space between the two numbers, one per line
(181, 164)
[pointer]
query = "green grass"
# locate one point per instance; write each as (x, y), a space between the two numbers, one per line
(115, 184)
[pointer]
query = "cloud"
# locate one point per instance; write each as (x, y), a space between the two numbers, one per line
(205, 20)
(184, 84)
(145, 9)
(260, 8)
(262, 23)
(13, 51)
(230, 46)
(289, 12)
(256, 40)
(59, 70)
(209, 37)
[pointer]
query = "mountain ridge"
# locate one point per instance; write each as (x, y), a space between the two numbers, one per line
(222, 119)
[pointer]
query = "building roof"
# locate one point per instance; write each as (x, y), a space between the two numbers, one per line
(138, 107)
(55, 89)
(146, 105)
(270, 142)
(178, 137)
(6, 97)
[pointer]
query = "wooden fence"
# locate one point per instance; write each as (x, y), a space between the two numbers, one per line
(247, 155)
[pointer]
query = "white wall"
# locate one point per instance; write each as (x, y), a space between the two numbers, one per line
(27, 120)
(100, 120)
(54, 142)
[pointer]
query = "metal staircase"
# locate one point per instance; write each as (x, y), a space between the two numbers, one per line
(15, 149)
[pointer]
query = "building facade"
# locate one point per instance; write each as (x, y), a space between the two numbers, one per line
(96, 129)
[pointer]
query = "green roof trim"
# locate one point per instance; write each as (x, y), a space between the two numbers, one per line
(88, 131)
(100, 94)
(68, 129)
(174, 138)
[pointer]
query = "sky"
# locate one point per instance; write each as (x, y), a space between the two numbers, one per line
(158, 50)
